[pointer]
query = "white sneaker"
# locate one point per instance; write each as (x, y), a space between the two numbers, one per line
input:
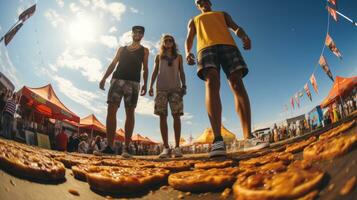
(218, 149)
(254, 144)
(165, 153)
(125, 153)
(177, 152)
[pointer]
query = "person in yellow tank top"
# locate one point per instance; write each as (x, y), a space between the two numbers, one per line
(216, 49)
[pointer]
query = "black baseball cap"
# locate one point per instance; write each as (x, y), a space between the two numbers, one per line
(141, 28)
(197, 1)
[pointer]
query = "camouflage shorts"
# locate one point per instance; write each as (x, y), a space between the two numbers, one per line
(174, 98)
(124, 88)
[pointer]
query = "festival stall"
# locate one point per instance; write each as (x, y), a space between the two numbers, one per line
(38, 105)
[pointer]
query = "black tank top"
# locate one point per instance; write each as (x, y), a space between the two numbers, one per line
(130, 64)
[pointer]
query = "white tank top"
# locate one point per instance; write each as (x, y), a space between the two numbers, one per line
(169, 76)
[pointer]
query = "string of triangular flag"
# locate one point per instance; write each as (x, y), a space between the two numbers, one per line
(332, 9)
(25, 15)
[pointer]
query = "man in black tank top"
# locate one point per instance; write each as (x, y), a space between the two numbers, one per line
(129, 62)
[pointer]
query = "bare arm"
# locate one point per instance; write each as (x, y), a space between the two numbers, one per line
(145, 71)
(110, 68)
(182, 72)
(155, 72)
(154, 75)
(239, 31)
(191, 33)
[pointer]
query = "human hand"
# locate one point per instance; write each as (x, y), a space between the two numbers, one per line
(102, 84)
(247, 44)
(190, 58)
(143, 90)
(151, 92)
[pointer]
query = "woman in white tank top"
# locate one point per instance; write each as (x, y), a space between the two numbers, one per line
(170, 89)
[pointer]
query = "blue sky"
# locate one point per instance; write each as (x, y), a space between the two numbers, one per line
(71, 43)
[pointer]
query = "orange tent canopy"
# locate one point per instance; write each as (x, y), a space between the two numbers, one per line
(138, 138)
(91, 122)
(120, 135)
(340, 87)
(45, 101)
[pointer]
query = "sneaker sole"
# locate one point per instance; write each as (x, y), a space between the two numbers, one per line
(217, 153)
(257, 147)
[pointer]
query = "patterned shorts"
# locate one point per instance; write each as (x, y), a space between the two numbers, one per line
(174, 98)
(124, 88)
(229, 57)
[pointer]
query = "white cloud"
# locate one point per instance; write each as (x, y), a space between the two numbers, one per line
(73, 7)
(54, 18)
(115, 9)
(60, 3)
(85, 2)
(8, 68)
(134, 10)
(145, 106)
(109, 41)
(78, 60)
(113, 29)
(82, 97)
(20, 10)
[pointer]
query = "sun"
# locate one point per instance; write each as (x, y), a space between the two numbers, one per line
(82, 29)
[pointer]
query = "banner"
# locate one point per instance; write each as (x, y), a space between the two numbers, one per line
(332, 46)
(292, 102)
(307, 90)
(325, 67)
(9, 35)
(313, 83)
(27, 13)
(332, 12)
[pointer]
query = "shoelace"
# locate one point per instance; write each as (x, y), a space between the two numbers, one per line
(218, 145)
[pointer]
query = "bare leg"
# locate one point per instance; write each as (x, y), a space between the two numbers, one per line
(129, 124)
(111, 123)
(213, 101)
(177, 129)
(242, 103)
(164, 130)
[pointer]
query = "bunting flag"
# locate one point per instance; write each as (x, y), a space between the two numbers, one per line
(333, 2)
(307, 90)
(325, 67)
(301, 94)
(332, 46)
(314, 83)
(9, 35)
(27, 13)
(292, 102)
(332, 12)
(297, 100)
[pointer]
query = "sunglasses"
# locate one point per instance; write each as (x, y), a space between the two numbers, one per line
(138, 32)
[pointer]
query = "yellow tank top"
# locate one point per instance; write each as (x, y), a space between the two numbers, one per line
(212, 29)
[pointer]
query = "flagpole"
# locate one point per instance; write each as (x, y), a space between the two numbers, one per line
(347, 18)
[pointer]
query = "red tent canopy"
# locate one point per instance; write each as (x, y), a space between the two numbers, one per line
(46, 102)
(340, 87)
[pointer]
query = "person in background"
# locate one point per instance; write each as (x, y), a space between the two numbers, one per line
(83, 145)
(62, 140)
(73, 142)
(8, 116)
(95, 144)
